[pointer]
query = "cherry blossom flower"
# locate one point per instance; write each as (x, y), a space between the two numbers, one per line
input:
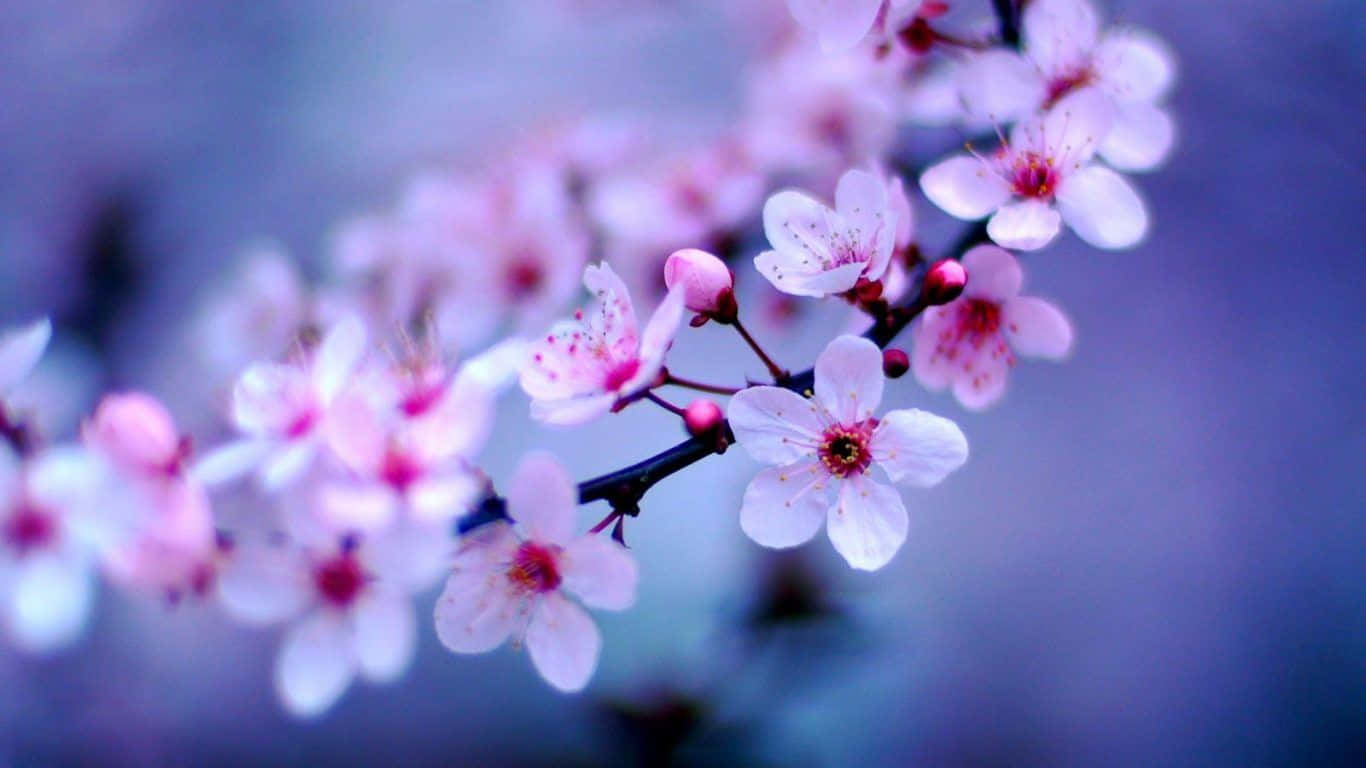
(257, 316)
(46, 565)
(512, 580)
(705, 279)
(970, 343)
(580, 370)
(156, 523)
(818, 251)
(348, 615)
(1063, 53)
(283, 409)
(827, 446)
(20, 350)
(1042, 177)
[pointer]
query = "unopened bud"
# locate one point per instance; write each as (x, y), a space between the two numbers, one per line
(702, 417)
(944, 282)
(895, 363)
(707, 282)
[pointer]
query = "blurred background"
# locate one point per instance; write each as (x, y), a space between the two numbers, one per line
(1153, 557)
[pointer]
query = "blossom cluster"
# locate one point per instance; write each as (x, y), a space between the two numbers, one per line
(346, 482)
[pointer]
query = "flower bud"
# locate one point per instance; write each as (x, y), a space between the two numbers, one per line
(895, 363)
(944, 282)
(705, 279)
(137, 433)
(701, 417)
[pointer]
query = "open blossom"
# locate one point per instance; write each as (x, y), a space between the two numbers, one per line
(1065, 52)
(826, 447)
(20, 350)
(583, 366)
(513, 580)
(842, 24)
(47, 576)
(970, 343)
(817, 250)
(154, 519)
(283, 407)
(348, 615)
(1042, 178)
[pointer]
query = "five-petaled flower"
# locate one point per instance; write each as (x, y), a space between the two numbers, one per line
(970, 343)
(510, 580)
(828, 444)
(581, 368)
(818, 251)
(1041, 178)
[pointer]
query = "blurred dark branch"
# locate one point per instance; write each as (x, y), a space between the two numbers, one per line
(1008, 16)
(624, 488)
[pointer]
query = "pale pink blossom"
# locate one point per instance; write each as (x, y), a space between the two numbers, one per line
(823, 450)
(348, 616)
(155, 520)
(258, 315)
(282, 409)
(970, 343)
(1041, 178)
(47, 575)
(1064, 52)
(704, 277)
(818, 250)
(512, 580)
(20, 350)
(839, 24)
(583, 366)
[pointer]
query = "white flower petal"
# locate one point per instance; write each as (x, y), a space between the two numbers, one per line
(965, 187)
(50, 602)
(1071, 132)
(358, 506)
(800, 227)
(785, 506)
(571, 411)
(601, 572)
(993, 273)
(315, 666)
(477, 610)
(869, 222)
(287, 464)
(868, 523)
(264, 584)
(444, 498)
(1026, 225)
(774, 425)
(1103, 208)
(385, 629)
(270, 399)
(542, 499)
(1135, 65)
(20, 351)
(918, 448)
(341, 349)
(226, 463)
(659, 332)
(790, 276)
(1000, 86)
(932, 369)
(1036, 328)
(1059, 35)
(1141, 138)
(614, 317)
(984, 384)
(840, 24)
(563, 642)
(849, 378)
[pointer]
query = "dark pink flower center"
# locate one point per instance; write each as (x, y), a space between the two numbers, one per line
(524, 276)
(1034, 176)
(979, 317)
(846, 450)
(620, 374)
(302, 424)
(534, 568)
(399, 469)
(1059, 87)
(29, 528)
(339, 580)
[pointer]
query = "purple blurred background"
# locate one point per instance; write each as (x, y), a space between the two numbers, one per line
(1153, 557)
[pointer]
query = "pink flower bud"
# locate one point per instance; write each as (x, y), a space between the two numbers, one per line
(944, 282)
(705, 279)
(137, 433)
(701, 417)
(895, 363)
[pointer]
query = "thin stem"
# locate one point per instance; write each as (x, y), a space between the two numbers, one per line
(606, 521)
(677, 381)
(774, 369)
(662, 403)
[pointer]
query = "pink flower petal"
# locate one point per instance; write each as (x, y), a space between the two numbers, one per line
(1103, 208)
(870, 223)
(1036, 328)
(801, 228)
(775, 425)
(1141, 138)
(984, 384)
(315, 666)
(785, 506)
(1059, 35)
(263, 584)
(1135, 65)
(840, 24)
(341, 349)
(918, 448)
(601, 572)
(1000, 86)
(790, 276)
(659, 333)
(230, 461)
(1026, 225)
(965, 187)
(477, 610)
(49, 602)
(571, 411)
(271, 399)
(868, 523)
(542, 499)
(849, 378)
(385, 634)
(614, 318)
(563, 642)
(993, 273)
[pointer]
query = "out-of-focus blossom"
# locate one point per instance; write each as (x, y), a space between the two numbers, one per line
(817, 250)
(20, 350)
(46, 564)
(583, 366)
(1042, 178)
(1063, 53)
(970, 344)
(705, 279)
(827, 445)
(838, 24)
(512, 580)
(257, 317)
(283, 408)
(156, 526)
(349, 615)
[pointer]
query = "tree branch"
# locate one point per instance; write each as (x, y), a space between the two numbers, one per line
(1008, 13)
